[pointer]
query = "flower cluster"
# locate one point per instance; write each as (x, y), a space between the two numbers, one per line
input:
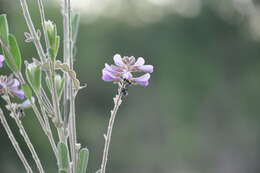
(10, 84)
(123, 69)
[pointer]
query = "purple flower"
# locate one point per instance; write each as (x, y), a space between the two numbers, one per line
(123, 69)
(11, 86)
(2, 58)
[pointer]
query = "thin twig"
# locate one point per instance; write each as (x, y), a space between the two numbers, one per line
(117, 103)
(32, 30)
(29, 144)
(48, 130)
(42, 13)
(15, 143)
(24, 134)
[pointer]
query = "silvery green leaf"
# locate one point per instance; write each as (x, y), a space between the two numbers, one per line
(82, 162)
(4, 30)
(63, 157)
(13, 55)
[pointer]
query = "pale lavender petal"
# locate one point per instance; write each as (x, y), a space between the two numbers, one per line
(117, 68)
(15, 84)
(127, 75)
(143, 80)
(140, 61)
(146, 68)
(18, 93)
(27, 103)
(118, 60)
(107, 76)
(111, 69)
(2, 58)
(2, 84)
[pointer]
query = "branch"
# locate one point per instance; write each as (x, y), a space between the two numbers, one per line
(15, 143)
(117, 103)
(32, 30)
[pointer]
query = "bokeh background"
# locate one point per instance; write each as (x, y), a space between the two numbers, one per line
(200, 113)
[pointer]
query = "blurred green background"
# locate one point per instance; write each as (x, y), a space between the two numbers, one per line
(200, 113)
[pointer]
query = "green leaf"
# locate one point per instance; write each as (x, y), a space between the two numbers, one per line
(75, 26)
(4, 30)
(82, 161)
(98, 171)
(27, 90)
(13, 55)
(63, 157)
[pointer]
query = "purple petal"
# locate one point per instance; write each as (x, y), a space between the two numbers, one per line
(118, 60)
(117, 68)
(146, 68)
(140, 61)
(2, 84)
(18, 93)
(109, 68)
(127, 75)
(15, 84)
(26, 104)
(107, 76)
(2, 58)
(143, 80)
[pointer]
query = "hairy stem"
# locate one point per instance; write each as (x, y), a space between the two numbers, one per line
(29, 144)
(117, 103)
(15, 143)
(69, 93)
(42, 13)
(32, 30)
(48, 130)
(24, 134)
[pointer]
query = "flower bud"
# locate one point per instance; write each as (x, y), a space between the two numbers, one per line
(59, 82)
(53, 38)
(51, 31)
(34, 74)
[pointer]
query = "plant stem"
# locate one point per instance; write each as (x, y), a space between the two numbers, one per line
(42, 13)
(69, 93)
(117, 103)
(15, 143)
(29, 144)
(32, 30)
(48, 130)
(24, 134)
